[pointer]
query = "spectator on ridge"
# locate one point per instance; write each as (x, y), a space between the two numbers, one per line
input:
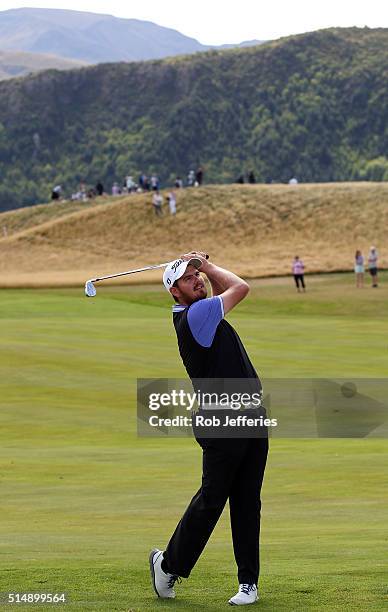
(116, 189)
(130, 184)
(191, 178)
(56, 192)
(157, 201)
(171, 198)
(141, 180)
(154, 183)
(99, 188)
(199, 176)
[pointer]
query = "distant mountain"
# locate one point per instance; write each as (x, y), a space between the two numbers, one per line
(312, 106)
(20, 63)
(91, 37)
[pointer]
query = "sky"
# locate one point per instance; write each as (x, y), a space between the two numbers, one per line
(222, 21)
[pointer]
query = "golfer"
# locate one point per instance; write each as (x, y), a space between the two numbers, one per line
(233, 468)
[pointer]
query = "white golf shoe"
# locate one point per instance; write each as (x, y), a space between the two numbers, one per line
(247, 594)
(163, 583)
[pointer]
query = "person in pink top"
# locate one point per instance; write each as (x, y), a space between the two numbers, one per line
(359, 269)
(298, 272)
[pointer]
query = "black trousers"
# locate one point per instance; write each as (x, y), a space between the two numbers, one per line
(232, 469)
(299, 278)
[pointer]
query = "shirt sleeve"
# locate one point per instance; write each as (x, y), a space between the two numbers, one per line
(203, 318)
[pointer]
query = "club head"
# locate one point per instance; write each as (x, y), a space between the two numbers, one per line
(90, 290)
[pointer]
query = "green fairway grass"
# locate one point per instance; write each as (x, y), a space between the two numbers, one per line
(83, 500)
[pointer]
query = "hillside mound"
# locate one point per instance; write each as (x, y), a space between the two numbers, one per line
(253, 229)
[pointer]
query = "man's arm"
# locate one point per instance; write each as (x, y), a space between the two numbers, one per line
(229, 286)
(217, 287)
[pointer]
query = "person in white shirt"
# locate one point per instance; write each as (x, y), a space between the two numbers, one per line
(157, 201)
(372, 265)
(172, 202)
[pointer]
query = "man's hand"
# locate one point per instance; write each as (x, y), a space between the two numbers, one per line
(230, 287)
(203, 257)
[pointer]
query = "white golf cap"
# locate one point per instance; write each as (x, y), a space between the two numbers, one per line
(176, 269)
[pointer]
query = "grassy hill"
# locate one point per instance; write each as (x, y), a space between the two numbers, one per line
(255, 230)
(20, 63)
(312, 105)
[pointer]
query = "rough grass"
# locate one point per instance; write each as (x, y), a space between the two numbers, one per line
(254, 230)
(83, 500)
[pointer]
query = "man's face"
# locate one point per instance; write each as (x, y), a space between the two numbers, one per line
(190, 287)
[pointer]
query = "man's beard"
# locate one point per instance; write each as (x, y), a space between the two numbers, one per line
(201, 296)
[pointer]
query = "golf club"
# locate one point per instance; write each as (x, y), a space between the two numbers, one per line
(90, 290)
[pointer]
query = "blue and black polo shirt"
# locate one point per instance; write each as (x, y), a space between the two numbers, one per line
(216, 361)
(209, 346)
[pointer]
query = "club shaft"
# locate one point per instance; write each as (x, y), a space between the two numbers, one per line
(163, 265)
